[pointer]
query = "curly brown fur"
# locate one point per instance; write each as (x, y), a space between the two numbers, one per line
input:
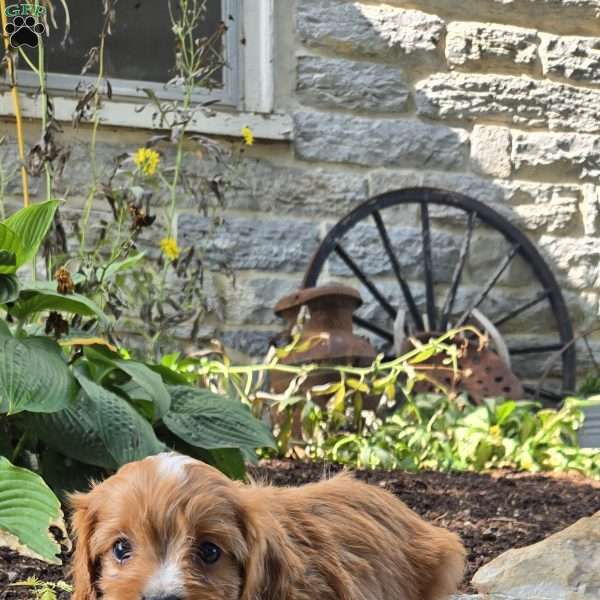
(335, 540)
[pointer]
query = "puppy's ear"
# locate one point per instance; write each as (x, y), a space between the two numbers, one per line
(270, 564)
(83, 566)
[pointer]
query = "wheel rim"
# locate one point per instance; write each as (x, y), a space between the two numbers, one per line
(437, 315)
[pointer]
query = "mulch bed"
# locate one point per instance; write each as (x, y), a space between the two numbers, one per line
(492, 513)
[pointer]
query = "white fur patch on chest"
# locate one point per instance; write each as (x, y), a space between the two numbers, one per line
(171, 464)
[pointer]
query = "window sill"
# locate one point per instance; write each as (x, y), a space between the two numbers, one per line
(114, 113)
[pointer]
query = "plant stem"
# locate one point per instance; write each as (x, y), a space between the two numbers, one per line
(19, 448)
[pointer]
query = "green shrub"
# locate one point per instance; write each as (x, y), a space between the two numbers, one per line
(439, 433)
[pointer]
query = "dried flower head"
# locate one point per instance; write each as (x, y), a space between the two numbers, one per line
(139, 217)
(64, 281)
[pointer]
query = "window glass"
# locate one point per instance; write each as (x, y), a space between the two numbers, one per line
(141, 46)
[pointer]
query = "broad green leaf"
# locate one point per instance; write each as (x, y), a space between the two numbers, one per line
(9, 288)
(150, 382)
(4, 329)
(168, 375)
(74, 433)
(35, 301)
(66, 475)
(27, 510)
(125, 433)
(210, 421)
(31, 225)
(140, 374)
(34, 376)
(119, 266)
(10, 243)
(229, 461)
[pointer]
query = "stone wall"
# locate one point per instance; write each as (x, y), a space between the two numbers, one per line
(498, 99)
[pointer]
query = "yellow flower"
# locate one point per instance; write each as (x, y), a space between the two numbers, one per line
(170, 248)
(248, 136)
(146, 160)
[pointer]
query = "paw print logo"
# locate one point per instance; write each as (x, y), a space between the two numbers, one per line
(24, 32)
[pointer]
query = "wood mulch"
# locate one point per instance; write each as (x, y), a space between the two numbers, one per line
(492, 513)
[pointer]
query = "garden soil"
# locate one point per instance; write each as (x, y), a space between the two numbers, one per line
(492, 513)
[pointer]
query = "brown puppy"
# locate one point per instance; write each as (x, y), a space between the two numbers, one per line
(172, 528)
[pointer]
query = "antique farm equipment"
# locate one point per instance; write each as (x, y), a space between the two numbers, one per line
(326, 335)
(481, 372)
(397, 238)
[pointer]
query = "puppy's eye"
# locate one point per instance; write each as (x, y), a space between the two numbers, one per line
(208, 553)
(122, 549)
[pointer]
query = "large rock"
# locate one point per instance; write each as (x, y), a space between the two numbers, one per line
(537, 207)
(569, 17)
(378, 31)
(283, 245)
(565, 566)
(574, 58)
(490, 150)
(508, 99)
(282, 190)
(378, 142)
(568, 155)
(351, 85)
(482, 46)
(575, 260)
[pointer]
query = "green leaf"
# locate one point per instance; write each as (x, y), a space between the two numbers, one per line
(4, 329)
(228, 460)
(34, 376)
(9, 288)
(27, 510)
(119, 266)
(33, 301)
(74, 433)
(31, 225)
(66, 475)
(168, 375)
(125, 433)
(10, 243)
(210, 421)
(150, 382)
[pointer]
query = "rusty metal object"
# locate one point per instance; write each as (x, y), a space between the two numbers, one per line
(481, 372)
(326, 335)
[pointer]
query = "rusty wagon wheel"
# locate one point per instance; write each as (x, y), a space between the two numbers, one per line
(439, 238)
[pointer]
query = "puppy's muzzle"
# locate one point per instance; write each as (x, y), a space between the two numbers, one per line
(163, 597)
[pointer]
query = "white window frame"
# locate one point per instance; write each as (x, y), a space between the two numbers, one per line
(247, 98)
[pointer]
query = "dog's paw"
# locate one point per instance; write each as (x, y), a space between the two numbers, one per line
(24, 32)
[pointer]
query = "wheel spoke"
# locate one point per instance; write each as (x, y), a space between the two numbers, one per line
(382, 333)
(428, 266)
(408, 297)
(543, 393)
(521, 309)
(391, 311)
(458, 271)
(535, 349)
(490, 284)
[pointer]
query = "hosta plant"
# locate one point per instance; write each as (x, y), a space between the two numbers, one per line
(73, 407)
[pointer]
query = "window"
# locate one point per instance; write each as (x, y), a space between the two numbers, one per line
(140, 52)
(245, 94)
